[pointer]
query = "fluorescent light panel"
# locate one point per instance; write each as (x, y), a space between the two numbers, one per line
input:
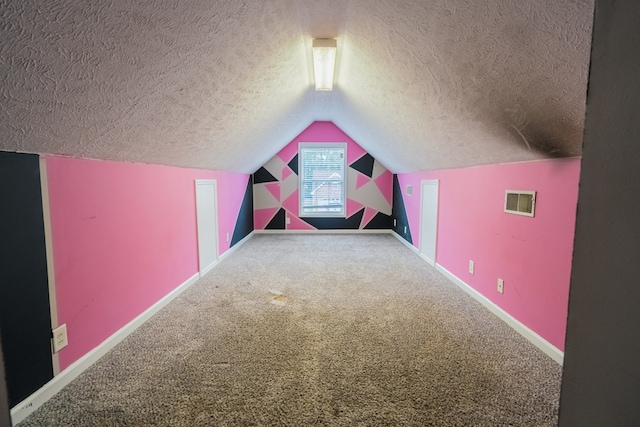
(324, 62)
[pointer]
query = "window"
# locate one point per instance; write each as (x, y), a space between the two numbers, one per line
(322, 168)
(520, 202)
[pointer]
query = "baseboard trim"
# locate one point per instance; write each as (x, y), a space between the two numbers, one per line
(233, 248)
(208, 268)
(407, 244)
(224, 255)
(535, 339)
(359, 231)
(23, 409)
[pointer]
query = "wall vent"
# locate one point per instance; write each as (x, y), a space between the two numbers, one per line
(520, 202)
(409, 190)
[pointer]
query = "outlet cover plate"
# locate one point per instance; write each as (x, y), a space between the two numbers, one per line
(471, 266)
(60, 340)
(501, 286)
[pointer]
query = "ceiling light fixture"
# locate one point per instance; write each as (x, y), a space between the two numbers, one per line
(324, 62)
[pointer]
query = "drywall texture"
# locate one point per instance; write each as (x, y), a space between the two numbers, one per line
(601, 379)
(368, 188)
(225, 85)
(124, 236)
(531, 255)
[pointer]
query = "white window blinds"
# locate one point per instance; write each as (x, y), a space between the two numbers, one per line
(322, 179)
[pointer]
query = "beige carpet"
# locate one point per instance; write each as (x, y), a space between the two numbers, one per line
(304, 330)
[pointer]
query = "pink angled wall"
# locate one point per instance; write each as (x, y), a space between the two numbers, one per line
(532, 255)
(124, 236)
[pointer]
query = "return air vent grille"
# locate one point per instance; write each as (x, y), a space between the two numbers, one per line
(520, 202)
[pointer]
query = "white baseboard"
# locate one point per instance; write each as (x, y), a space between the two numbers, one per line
(233, 248)
(407, 244)
(208, 268)
(535, 339)
(381, 231)
(224, 255)
(20, 411)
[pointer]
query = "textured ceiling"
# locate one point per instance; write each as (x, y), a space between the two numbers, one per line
(224, 84)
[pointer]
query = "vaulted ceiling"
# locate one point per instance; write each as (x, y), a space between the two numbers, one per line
(224, 84)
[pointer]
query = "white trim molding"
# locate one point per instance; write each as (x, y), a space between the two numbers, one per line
(535, 339)
(531, 336)
(233, 248)
(381, 231)
(48, 240)
(23, 409)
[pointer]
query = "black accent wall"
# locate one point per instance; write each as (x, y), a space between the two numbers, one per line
(399, 213)
(244, 224)
(25, 318)
(351, 223)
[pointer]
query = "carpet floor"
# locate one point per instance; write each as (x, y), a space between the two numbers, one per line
(312, 330)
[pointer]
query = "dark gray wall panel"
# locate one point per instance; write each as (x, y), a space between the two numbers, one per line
(601, 378)
(25, 318)
(244, 223)
(399, 212)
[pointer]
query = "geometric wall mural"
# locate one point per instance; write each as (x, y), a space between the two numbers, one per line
(369, 188)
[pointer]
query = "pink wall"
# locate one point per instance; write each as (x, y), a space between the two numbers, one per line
(532, 255)
(368, 192)
(124, 236)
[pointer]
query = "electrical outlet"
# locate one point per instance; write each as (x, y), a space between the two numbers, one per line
(394, 222)
(471, 266)
(501, 286)
(288, 220)
(405, 229)
(227, 237)
(60, 338)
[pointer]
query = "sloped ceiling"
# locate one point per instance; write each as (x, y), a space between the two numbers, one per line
(421, 84)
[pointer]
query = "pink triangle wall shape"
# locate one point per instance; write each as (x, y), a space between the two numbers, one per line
(261, 217)
(385, 185)
(362, 180)
(298, 224)
(368, 216)
(291, 203)
(274, 188)
(353, 207)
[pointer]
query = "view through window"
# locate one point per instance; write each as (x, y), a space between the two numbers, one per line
(322, 169)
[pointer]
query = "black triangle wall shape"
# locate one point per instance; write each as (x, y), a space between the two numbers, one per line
(364, 165)
(263, 175)
(379, 222)
(293, 164)
(277, 222)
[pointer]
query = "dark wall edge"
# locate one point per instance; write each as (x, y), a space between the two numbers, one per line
(399, 213)
(244, 223)
(601, 375)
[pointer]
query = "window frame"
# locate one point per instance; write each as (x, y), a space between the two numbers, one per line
(302, 179)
